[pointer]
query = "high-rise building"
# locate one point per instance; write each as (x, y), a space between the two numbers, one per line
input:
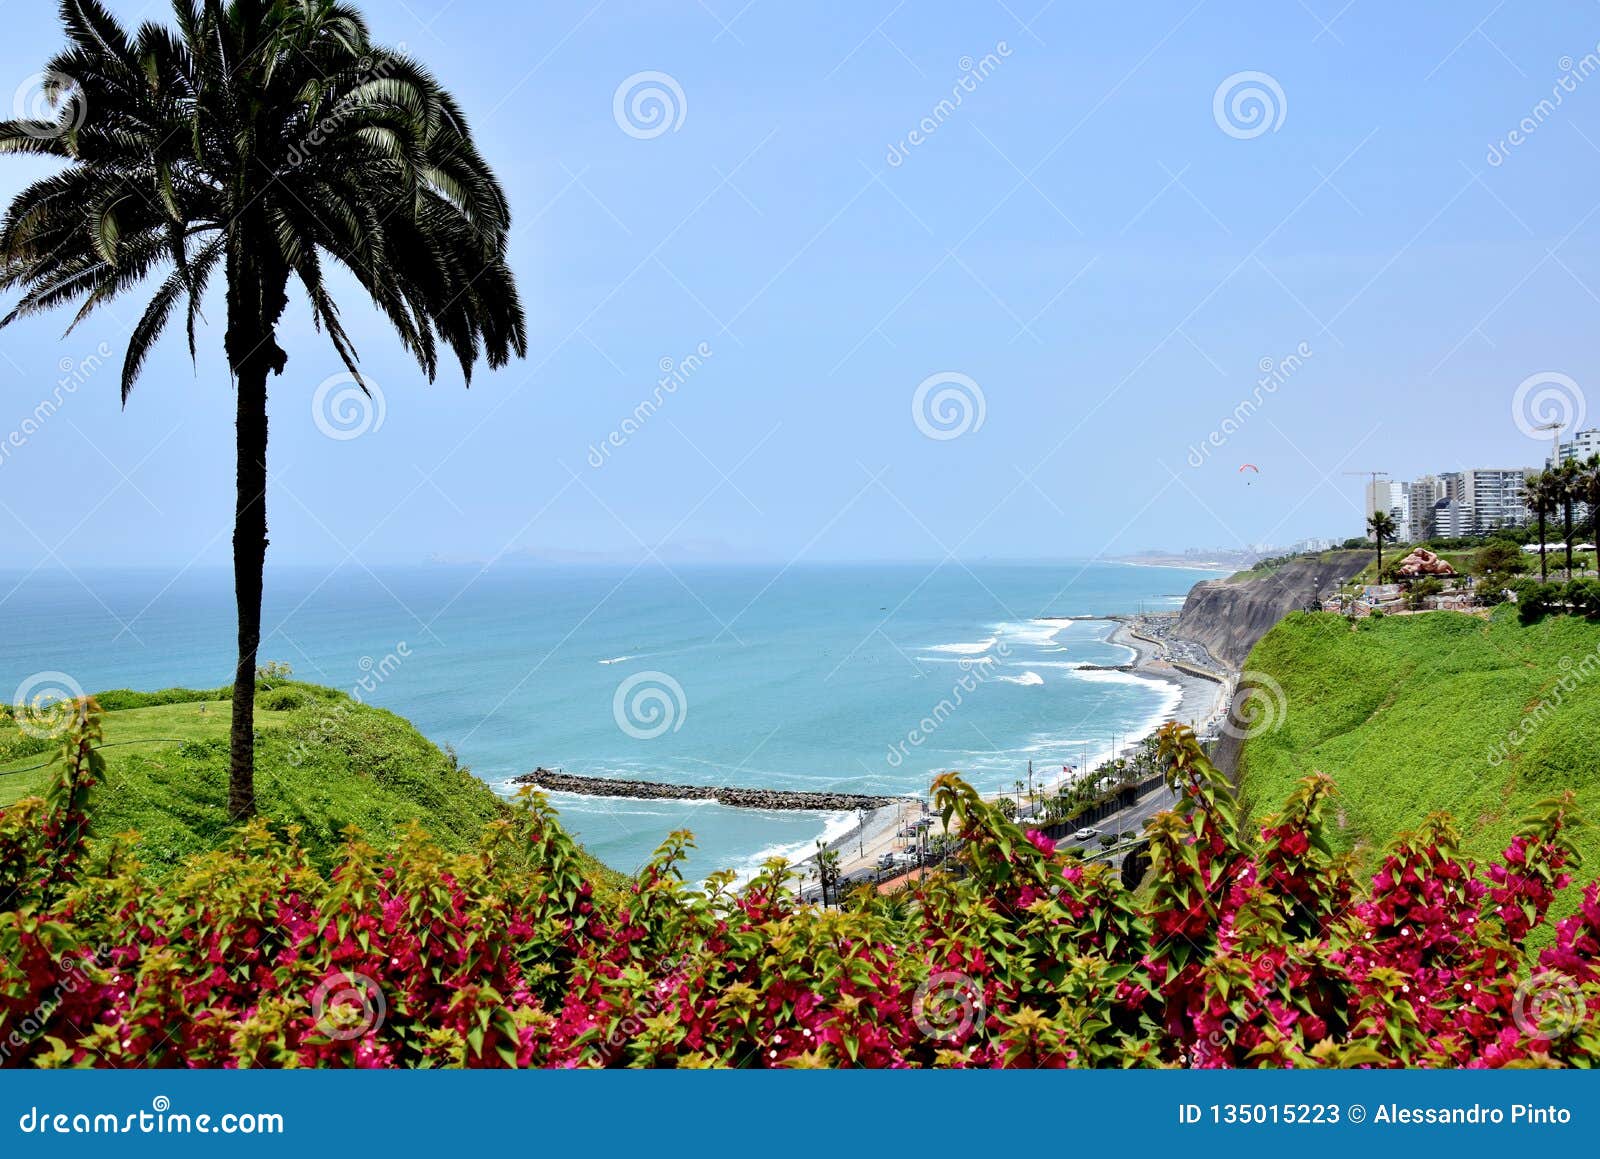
(1422, 497)
(1449, 519)
(1488, 497)
(1581, 447)
(1390, 495)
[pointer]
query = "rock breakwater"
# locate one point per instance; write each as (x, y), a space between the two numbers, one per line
(722, 794)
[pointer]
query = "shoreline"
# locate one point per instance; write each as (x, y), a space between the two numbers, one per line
(1202, 700)
(1201, 703)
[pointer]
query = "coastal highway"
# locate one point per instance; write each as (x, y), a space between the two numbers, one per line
(1157, 800)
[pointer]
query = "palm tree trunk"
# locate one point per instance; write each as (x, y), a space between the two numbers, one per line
(1566, 520)
(249, 561)
(257, 294)
(1543, 573)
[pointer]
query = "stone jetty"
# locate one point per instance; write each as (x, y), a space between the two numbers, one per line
(723, 795)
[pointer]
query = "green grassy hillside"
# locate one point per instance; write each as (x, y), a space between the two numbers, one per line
(1413, 714)
(323, 762)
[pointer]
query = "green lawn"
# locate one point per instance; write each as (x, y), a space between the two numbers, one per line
(323, 762)
(1411, 714)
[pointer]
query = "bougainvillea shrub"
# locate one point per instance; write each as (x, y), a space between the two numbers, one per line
(1241, 948)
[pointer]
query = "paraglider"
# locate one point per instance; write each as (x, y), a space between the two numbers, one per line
(1251, 467)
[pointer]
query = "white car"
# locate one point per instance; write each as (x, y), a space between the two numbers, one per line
(1086, 834)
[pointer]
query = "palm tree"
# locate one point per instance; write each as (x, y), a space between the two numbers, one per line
(1543, 491)
(1380, 524)
(1569, 492)
(264, 138)
(827, 868)
(1589, 489)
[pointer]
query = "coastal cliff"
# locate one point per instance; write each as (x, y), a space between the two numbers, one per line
(1229, 615)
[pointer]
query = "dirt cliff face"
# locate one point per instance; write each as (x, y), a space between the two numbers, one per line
(1229, 616)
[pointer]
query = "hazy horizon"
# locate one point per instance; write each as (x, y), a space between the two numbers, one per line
(1027, 332)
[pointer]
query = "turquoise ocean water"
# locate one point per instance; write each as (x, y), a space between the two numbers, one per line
(814, 677)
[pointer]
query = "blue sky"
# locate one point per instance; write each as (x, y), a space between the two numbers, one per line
(1104, 262)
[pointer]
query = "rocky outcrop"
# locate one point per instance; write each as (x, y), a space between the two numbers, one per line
(723, 795)
(1228, 616)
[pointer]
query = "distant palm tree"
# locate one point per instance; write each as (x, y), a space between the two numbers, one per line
(1569, 492)
(1544, 496)
(1381, 526)
(827, 869)
(1589, 487)
(265, 138)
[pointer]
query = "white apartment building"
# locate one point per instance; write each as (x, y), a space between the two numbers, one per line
(1489, 498)
(1390, 495)
(1448, 519)
(1422, 498)
(1581, 447)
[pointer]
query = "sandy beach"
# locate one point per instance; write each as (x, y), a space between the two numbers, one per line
(1202, 704)
(1202, 701)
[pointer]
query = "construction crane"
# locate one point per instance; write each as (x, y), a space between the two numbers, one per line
(1555, 439)
(1372, 482)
